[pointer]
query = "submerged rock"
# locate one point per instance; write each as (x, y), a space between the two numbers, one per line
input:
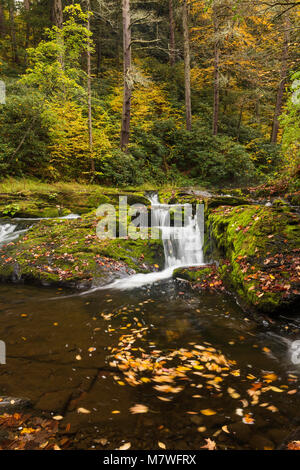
(11, 404)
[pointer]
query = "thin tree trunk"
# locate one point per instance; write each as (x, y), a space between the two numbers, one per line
(98, 57)
(187, 66)
(89, 74)
(125, 132)
(27, 9)
(58, 20)
(240, 120)
(283, 77)
(2, 25)
(58, 17)
(11, 7)
(216, 76)
(172, 34)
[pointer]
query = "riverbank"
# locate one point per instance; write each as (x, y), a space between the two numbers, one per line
(255, 244)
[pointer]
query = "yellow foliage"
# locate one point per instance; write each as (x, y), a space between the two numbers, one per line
(69, 136)
(149, 102)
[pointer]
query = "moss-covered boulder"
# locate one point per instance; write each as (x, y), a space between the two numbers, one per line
(69, 253)
(195, 274)
(57, 201)
(194, 196)
(262, 245)
(208, 278)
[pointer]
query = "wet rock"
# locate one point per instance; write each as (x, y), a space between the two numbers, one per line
(68, 253)
(241, 432)
(277, 435)
(12, 404)
(259, 442)
(54, 401)
(196, 419)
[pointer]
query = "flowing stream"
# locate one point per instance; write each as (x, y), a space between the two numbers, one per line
(12, 230)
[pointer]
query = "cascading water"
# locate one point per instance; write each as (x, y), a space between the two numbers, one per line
(10, 232)
(183, 246)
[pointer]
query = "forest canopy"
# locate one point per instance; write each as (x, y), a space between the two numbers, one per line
(135, 92)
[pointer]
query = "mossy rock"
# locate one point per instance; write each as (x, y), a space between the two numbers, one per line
(69, 253)
(218, 201)
(263, 246)
(57, 203)
(193, 275)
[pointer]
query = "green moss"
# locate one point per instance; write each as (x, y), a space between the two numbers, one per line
(192, 274)
(259, 241)
(68, 252)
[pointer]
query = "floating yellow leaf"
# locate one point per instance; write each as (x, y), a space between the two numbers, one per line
(125, 446)
(208, 412)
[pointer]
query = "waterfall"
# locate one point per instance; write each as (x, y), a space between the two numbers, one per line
(183, 246)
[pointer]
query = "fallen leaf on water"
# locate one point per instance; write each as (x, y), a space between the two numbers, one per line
(210, 445)
(164, 399)
(139, 409)
(103, 442)
(201, 429)
(162, 445)
(168, 389)
(248, 419)
(125, 446)
(233, 393)
(276, 389)
(272, 408)
(294, 445)
(208, 412)
(58, 418)
(270, 377)
(225, 429)
(83, 411)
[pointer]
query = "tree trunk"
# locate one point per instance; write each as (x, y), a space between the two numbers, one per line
(172, 34)
(125, 132)
(27, 9)
(98, 57)
(2, 24)
(240, 120)
(58, 17)
(58, 20)
(89, 74)
(283, 77)
(187, 66)
(11, 8)
(216, 76)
